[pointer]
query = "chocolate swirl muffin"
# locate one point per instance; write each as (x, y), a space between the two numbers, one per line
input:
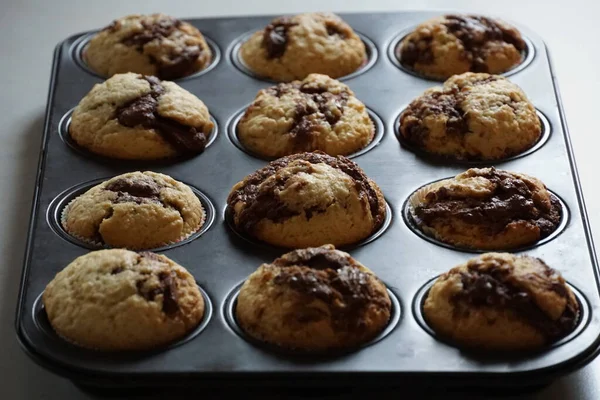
(137, 117)
(486, 209)
(317, 113)
(472, 117)
(313, 299)
(454, 44)
(292, 47)
(155, 44)
(117, 300)
(499, 301)
(137, 210)
(307, 199)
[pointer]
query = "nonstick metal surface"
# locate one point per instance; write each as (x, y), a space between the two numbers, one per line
(220, 259)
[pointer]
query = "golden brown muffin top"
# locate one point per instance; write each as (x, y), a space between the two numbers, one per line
(494, 198)
(260, 195)
(335, 278)
(275, 34)
(176, 47)
(522, 284)
(476, 33)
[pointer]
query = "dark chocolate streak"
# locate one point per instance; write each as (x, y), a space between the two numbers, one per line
(416, 51)
(512, 200)
(167, 286)
(137, 190)
(315, 103)
(324, 274)
(275, 36)
(445, 102)
(495, 288)
(264, 204)
(143, 112)
(474, 32)
(181, 62)
(334, 30)
(319, 258)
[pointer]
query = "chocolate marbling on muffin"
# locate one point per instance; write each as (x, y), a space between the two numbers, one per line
(137, 210)
(472, 117)
(137, 117)
(313, 299)
(293, 47)
(317, 113)
(118, 300)
(486, 208)
(155, 44)
(454, 44)
(499, 301)
(307, 199)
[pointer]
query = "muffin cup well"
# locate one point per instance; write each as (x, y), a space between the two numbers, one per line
(228, 216)
(42, 323)
(236, 58)
(448, 160)
(421, 295)
(228, 311)
(412, 222)
(63, 133)
(78, 48)
(527, 56)
(233, 135)
(60, 204)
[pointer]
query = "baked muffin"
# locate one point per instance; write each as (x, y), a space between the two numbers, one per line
(137, 117)
(472, 117)
(499, 301)
(155, 44)
(137, 210)
(307, 199)
(116, 300)
(486, 209)
(292, 47)
(318, 113)
(454, 44)
(313, 299)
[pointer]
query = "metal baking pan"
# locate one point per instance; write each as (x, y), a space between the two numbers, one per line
(217, 353)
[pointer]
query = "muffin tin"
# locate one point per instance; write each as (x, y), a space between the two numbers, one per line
(218, 353)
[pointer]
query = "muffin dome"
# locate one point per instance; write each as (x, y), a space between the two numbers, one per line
(116, 300)
(307, 199)
(136, 117)
(155, 44)
(293, 47)
(486, 209)
(500, 301)
(454, 44)
(318, 113)
(137, 210)
(313, 299)
(471, 117)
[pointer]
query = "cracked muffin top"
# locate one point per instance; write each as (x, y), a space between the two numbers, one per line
(454, 44)
(137, 210)
(116, 300)
(500, 301)
(487, 208)
(313, 299)
(155, 44)
(137, 117)
(293, 47)
(307, 199)
(471, 117)
(317, 113)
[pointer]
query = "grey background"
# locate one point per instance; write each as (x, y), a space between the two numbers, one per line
(29, 30)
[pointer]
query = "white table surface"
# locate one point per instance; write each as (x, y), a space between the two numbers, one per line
(30, 29)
